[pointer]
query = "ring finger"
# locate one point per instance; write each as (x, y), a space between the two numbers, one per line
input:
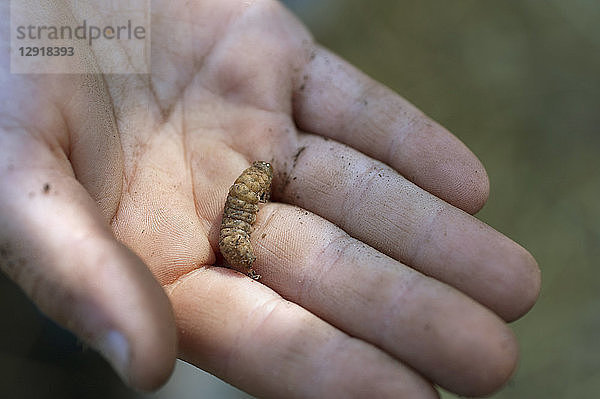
(433, 328)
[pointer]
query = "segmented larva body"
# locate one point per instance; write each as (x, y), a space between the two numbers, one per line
(253, 186)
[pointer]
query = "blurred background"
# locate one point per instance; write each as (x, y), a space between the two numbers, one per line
(519, 83)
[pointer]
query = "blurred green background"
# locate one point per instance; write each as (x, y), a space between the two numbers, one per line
(519, 83)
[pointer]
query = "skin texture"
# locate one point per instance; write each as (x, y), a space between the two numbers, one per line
(377, 281)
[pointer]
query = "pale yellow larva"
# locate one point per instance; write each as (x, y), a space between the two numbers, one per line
(253, 186)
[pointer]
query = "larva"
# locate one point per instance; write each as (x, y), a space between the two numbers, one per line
(253, 186)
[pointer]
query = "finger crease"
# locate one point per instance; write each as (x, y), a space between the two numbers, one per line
(353, 197)
(327, 258)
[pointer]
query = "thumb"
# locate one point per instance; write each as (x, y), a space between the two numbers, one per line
(55, 245)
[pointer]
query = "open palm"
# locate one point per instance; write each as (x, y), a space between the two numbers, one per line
(376, 280)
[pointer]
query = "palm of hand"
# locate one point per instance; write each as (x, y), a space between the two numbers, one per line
(207, 120)
(156, 153)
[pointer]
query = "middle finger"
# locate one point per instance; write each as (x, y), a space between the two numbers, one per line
(373, 203)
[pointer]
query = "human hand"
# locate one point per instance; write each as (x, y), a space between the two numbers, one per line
(371, 285)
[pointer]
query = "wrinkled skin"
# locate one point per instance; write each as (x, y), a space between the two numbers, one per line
(376, 279)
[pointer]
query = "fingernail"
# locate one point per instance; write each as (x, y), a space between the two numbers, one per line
(115, 349)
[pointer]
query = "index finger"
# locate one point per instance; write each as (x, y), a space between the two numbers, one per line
(334, 99)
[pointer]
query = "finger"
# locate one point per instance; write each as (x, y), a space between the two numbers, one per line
(374, 204)
(447, 337)
(243, 332)
(55, 245)
(334, 99)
